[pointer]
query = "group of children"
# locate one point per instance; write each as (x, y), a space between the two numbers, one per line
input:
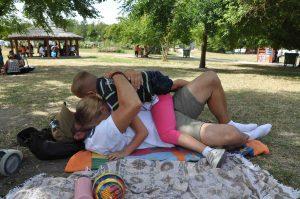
(138, 51)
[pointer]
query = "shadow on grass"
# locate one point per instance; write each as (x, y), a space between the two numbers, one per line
(293, 73)
(62, 57)
(174, 58)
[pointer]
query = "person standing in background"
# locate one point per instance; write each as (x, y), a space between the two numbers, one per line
(1, 59)
(136, 50)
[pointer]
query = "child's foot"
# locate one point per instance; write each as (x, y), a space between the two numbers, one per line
(215, 157)
(243, 127)
(259, 132)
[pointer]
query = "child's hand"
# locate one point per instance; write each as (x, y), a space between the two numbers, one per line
(108, 74)
(116, 155)
(135, 77)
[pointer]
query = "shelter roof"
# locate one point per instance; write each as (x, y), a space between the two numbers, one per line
(38, 33)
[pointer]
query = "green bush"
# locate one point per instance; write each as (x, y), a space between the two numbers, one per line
(110, 49)
(88, 45)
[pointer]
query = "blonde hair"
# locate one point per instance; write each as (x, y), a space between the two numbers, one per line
(81, 83)
(87, 110)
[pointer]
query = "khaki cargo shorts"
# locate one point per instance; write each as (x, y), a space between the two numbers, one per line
(187, 110)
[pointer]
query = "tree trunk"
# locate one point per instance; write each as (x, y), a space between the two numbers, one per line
(147, 51)
(203, 49)
(165, 50)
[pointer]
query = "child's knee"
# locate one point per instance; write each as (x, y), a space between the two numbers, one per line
(170, 136)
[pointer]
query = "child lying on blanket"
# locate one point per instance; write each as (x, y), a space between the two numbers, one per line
(163, 111)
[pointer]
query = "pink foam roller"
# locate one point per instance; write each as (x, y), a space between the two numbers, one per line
(83, 188)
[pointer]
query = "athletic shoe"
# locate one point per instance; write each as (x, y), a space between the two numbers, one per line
(215, 157)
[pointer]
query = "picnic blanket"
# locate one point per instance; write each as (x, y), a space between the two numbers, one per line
(238, 178)
(86, 159)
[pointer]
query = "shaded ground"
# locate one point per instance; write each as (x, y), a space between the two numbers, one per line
(255, 93)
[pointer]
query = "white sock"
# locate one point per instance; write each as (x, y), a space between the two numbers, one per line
(242, 127)
(259, 132)
(206, 151)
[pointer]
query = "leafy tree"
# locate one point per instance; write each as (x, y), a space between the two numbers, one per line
(44, 13)
(164, 21)
(206, 14)
(264, 23)
(160, 15)
(9, 22)
(113, 33)
(91, 32)
(140, 31)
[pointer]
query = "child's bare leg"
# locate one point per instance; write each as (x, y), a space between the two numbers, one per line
(191, 143)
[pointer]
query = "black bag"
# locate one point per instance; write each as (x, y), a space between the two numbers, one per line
(44, 146)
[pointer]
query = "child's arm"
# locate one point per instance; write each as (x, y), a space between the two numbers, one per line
(179, 83)
(135, 77)
(141, 133)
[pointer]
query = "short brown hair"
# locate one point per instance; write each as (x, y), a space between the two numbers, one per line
(87, 110)
(80, 85)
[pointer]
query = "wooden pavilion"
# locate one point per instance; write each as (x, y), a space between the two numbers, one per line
(57, 35)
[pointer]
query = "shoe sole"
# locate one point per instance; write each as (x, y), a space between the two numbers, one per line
(221, 160)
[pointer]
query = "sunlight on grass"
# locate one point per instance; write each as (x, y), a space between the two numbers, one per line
(40, 113)
(54, 83)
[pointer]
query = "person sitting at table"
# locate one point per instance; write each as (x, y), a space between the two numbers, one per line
(41, 51)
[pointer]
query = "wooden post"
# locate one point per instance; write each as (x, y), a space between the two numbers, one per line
(45, 44)
(48, 48)
(71, 43)
(11, 45)
(59, 49)
(29, 48)
(77, 47)
(67, 48)
(17, 47)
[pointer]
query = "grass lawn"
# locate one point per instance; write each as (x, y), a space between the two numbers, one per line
(255, 93)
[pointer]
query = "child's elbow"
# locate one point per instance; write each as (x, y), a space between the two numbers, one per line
(143, 133)
(146, 133)
(137, 105)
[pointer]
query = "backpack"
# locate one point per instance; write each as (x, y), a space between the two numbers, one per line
(43, 145)
(62, 123)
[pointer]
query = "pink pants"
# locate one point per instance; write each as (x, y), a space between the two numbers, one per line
(164, 118)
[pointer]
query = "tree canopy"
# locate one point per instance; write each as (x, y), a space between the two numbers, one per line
(44, 13)
(266, 22)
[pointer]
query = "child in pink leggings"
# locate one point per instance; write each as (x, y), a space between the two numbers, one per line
(164, 118)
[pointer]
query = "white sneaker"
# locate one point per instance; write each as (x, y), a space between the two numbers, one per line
(215, 157)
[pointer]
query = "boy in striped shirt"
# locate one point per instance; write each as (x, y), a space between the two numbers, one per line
(153, 83)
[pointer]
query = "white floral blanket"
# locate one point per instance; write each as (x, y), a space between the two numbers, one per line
(238, 178)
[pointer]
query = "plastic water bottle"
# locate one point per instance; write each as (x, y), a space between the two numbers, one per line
(83, 188)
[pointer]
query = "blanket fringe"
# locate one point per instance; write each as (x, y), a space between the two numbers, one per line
(25, 183)
(295, 193)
